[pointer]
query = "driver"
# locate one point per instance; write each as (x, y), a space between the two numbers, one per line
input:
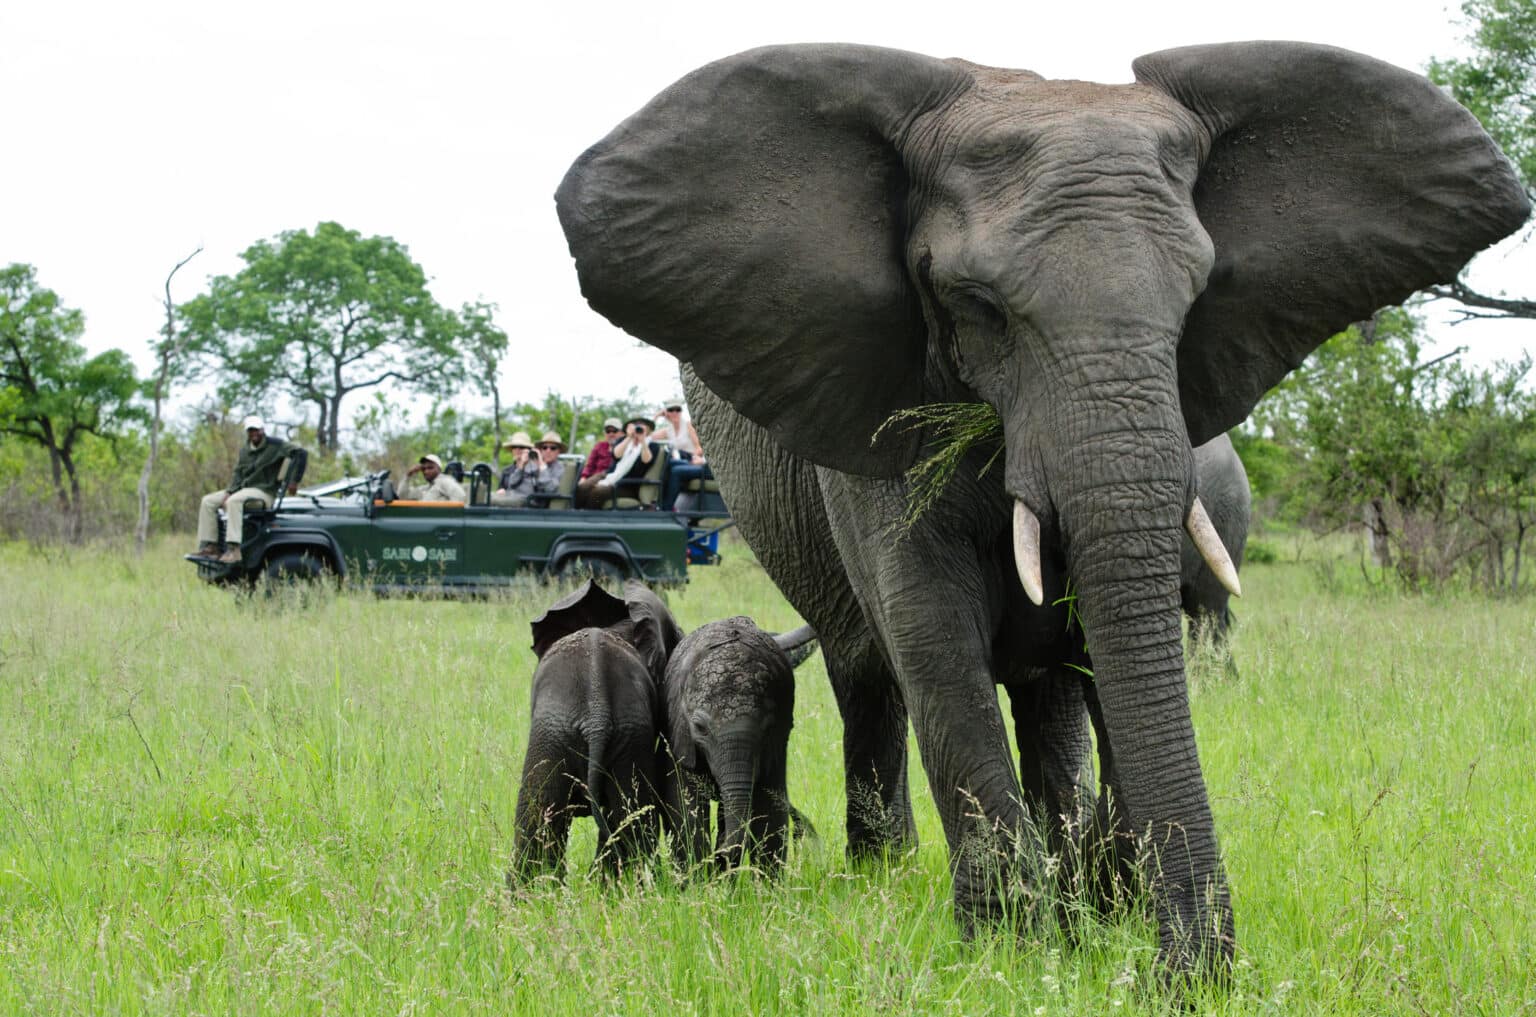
(439, 486)
(254, 486)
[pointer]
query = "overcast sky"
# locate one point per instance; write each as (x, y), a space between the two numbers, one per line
(137, 132)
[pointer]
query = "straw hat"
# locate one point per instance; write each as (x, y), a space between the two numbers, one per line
(551, 438)
(519, 439)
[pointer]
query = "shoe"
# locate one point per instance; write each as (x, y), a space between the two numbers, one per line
(232, 556)
(206, 549)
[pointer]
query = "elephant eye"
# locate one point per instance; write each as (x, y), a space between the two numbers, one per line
(977, 308)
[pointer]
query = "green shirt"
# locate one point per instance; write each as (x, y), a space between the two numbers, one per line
(258, 465)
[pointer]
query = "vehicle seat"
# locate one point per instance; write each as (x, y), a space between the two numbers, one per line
(290, 472)
(642, 492)
(481, 480)
(565, 497)
(454, 469)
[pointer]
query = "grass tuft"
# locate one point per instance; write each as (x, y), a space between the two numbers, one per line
(953, 430)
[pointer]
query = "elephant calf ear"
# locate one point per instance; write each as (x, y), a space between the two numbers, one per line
(653, 631)
(751, 220)
(1336, 184)
(678, 731)
(590, 606)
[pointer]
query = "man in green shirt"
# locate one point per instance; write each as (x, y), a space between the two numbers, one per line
(255, 481)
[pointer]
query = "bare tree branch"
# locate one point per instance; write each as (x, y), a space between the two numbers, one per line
(1502, 306)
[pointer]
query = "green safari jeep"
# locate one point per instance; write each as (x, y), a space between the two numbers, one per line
(354, 529)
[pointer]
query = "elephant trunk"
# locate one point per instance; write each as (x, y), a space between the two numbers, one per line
(1121, 499)
(735, 769)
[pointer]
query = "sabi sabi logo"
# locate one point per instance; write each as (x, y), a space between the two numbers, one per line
(421, 554)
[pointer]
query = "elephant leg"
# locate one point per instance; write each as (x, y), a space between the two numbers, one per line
(927, 600)
(879, 804)
(547, 797)
(691, 793)
(1051, 727)
(1210, 622)
(770, 817)
(624, 801)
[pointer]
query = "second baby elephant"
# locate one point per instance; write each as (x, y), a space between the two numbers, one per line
(729, 700)
(592, 740)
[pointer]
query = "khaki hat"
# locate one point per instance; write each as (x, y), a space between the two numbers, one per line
(253, 423)
(551, 438)
(613, 422)
(519, 439)
(429, 458)
(678, 402)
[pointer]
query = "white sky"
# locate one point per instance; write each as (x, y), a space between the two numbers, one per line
(136, 132)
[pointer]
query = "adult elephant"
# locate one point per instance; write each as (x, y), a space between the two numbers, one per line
(826, 234)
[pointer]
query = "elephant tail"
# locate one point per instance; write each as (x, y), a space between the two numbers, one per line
(797, 644)
(600, 782)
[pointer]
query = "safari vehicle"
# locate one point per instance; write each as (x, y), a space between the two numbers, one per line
(356, 529)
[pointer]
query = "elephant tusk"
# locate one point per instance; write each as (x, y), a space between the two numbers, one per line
(1209, 544)
(1026, 552)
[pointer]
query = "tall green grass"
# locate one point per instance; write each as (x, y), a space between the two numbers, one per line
(301, 806)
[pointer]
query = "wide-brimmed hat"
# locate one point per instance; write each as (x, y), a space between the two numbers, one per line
(429, 458)
(551, 438)
(677, 401)
(253, 423)
(650, 425)
(519, 439)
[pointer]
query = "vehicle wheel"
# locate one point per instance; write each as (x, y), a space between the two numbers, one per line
(606, 571)
(291, 569)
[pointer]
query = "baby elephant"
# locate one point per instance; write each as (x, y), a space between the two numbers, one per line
(729, 702)
(592, 743)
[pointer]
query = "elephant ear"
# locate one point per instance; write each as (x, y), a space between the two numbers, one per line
(591, 606)
(750, 220)
(1336, 184)
(679, 733)
(652, 631)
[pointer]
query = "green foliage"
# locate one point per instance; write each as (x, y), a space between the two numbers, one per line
(1442, 455)
(1498, 82)
(54, 395)
(317, 317)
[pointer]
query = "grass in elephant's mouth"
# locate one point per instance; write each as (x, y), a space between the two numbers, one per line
(322, 826)
(952, 430)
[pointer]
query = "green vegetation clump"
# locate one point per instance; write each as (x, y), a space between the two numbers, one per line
(951, 431)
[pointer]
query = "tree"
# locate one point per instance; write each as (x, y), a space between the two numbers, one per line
(170, 353)
(54, 393)
(1498, 84)
(318, 317)
(1439, 456)
(485, 345)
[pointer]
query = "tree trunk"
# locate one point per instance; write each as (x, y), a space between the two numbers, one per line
(496, 422)
(170, 349)
(1376, 525)
(333, 436)
(76, 505)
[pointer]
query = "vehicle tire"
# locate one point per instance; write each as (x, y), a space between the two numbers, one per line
(303, 570)
(580, 567)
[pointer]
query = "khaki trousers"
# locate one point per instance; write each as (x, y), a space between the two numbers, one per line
(208, 514)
